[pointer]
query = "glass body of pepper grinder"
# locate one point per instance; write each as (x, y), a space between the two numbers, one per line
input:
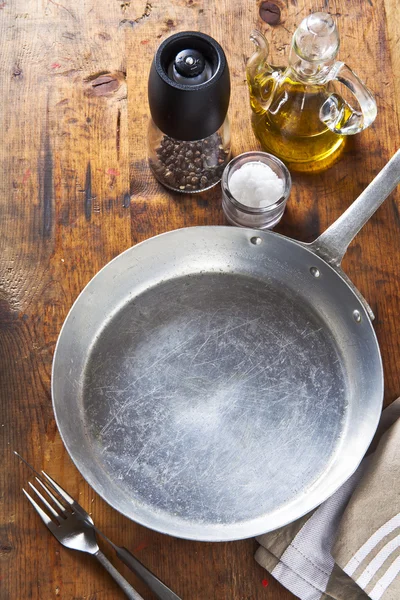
(299, 113)
(189, 92)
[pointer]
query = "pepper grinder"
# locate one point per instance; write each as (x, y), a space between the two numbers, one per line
(189, 133)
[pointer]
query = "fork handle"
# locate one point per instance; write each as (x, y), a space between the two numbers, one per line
(161, 591)
(116, 575)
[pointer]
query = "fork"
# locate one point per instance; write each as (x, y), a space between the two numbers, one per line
(73, 527)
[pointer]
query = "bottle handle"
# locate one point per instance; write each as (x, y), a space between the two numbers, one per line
(337, 114)
(260, 74)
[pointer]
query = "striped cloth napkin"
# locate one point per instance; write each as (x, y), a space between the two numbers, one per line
(349, 547)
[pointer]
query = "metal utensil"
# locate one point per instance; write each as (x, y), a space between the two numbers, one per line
(71, 531)
(159, 588)
(215, 383)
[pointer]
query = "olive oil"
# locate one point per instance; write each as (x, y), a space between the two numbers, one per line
(292, 130)
(298, 112)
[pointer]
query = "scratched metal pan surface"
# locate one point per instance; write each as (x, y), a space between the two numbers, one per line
(215, 383)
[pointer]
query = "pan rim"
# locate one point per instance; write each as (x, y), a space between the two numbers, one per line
(245, 529)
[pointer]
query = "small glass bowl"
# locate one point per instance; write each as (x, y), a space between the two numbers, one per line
(241, 215)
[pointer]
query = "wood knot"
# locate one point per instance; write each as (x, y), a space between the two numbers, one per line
(105, 84)
(5, 549)
(105, 36)
(270, 13)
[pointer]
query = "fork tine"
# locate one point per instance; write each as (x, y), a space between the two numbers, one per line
(26, 462)
(51, 482)
(42, 478)
(43, 499)
(45, 518)
(54, 499)
(59, 489)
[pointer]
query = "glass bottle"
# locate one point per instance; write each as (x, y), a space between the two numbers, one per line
(189, 141)
(298, 113)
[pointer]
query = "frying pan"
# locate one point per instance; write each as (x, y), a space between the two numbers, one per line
(215, 383)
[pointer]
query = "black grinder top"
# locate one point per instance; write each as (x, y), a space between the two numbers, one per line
(189, 86)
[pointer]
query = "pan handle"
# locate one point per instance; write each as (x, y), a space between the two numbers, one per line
(331, 245)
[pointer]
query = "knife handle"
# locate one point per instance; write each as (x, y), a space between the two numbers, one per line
(130, 593)
(157, 587)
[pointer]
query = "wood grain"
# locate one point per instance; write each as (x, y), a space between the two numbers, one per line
(75, 190)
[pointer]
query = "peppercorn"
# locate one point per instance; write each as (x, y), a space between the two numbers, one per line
(189, 166)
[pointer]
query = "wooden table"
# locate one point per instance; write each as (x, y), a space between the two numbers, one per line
(76, 190)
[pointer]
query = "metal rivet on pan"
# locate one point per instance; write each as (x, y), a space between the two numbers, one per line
(256, 241)
(315, 272)
(357, 316)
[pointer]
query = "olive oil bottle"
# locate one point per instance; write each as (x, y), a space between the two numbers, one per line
(297, 113)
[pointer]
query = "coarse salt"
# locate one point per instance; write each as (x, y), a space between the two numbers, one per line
(256, 185)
